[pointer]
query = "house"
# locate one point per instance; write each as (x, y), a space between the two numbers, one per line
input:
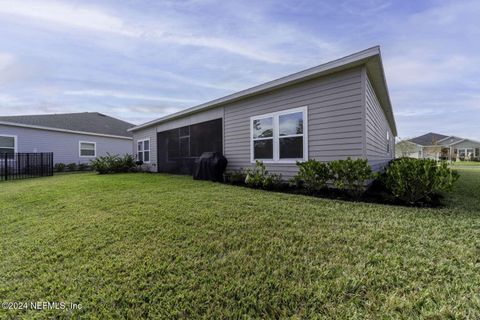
(332, 111)
(72, 137)
(439, 147)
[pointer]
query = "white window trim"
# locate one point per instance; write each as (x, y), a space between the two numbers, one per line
(80, 149)
(142, 151)
(276, 137)
(15, 140)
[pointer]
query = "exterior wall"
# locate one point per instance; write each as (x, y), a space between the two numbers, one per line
(142, 134)
(65, 146)
(467, 144)
(376, 128)
(335, 120)
(203, 116)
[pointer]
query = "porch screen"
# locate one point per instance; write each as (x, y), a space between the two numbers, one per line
(179, 148)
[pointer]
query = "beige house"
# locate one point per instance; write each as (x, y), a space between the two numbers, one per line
(439, 147)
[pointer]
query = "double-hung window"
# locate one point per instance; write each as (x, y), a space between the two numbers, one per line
(7, 144)
(280, 136)
(87, 149)
(143, 150)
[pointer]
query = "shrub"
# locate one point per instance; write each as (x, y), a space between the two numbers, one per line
(59, 167)
(113, 164)
(83, 167)
(259, 177)
(350, 175)
(236, 177)
(416, 180)
(312, 175)
(273, 181)
(72, 166)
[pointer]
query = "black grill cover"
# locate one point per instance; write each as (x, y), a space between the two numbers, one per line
(210, 166)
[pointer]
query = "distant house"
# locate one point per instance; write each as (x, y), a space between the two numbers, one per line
(72, 137)
(439, 147)
(332, 111)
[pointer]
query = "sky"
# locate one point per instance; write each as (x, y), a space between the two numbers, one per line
(139, 60)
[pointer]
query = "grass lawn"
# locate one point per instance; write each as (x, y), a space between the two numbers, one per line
(161, 246)
(466, 164)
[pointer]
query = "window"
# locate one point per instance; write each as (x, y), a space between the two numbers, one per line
(8, 144)
(143, 150)
(388, 142)
(280, 136)
(263, 138)
(470, 152)
(87, 149)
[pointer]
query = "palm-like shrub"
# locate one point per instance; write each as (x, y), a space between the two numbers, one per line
(259, 177)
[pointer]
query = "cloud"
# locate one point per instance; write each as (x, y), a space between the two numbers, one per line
(97, 20)
(6, 60)
(429, 70)
(123, 95)
(66, 14)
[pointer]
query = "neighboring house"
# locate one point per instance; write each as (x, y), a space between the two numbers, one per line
(72, 137)
(439, 147)
(333, 111)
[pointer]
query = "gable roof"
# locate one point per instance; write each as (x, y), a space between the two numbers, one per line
(428, 139)
(371, 58)
(85, 122)
(450, 140)
(463, 140)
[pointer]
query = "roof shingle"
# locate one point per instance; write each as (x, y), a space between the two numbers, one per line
(93, 122)
(428, 139)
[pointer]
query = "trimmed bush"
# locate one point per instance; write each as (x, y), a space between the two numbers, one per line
(351, 176)
(59, 167)
(113, 164)
(72, 166)
(418, 180)
(312, 175)
(259, 177)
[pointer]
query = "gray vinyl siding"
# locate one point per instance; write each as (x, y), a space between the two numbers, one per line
(147, 133)
(335, 119)
(376, 131)
(65, 146)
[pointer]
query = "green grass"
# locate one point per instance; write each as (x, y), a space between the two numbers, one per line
(466, 164)
(160, 246)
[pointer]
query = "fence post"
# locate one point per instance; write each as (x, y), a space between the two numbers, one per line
(42, 173)
(6, 166)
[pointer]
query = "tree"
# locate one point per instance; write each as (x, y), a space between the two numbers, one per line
(404, 148)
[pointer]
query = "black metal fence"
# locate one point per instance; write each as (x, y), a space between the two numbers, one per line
(15, 166)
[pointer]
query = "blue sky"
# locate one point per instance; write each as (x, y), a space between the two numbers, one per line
(139, 60)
